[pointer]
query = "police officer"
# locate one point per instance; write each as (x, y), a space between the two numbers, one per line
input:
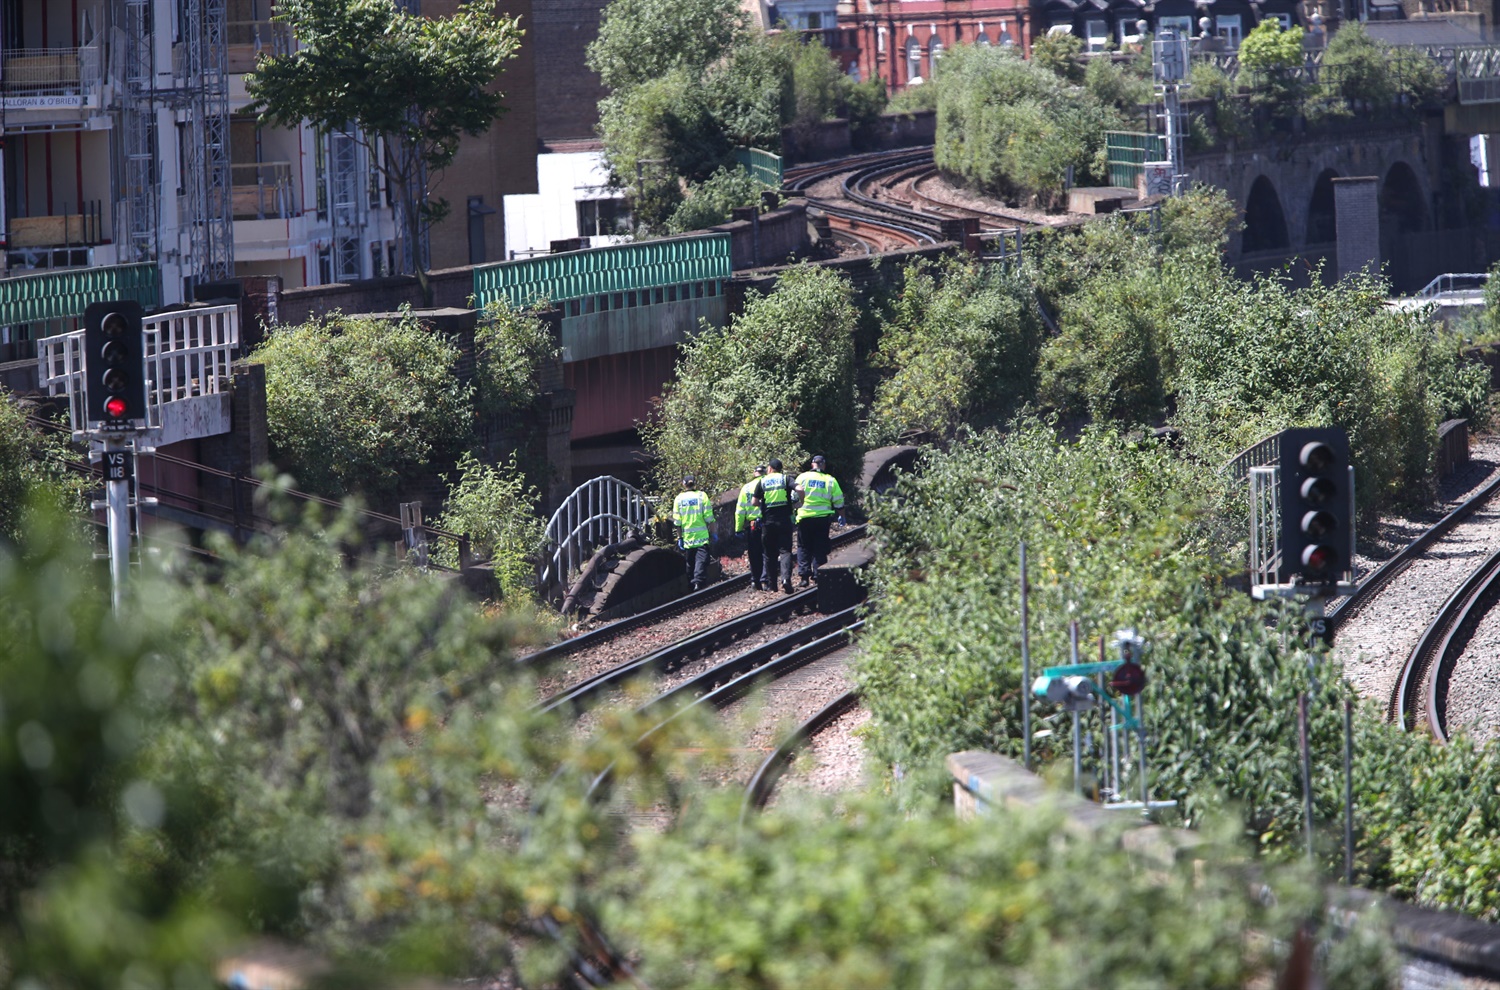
(747, 521)
(693, 514)
(773, 494)
(819, 499)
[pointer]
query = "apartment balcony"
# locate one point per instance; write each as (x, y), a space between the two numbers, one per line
(65, 240)
(248, 40)
(51, 78)
(262, 191)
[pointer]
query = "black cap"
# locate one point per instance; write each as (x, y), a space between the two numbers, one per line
(818, 459)
(775, 464)
(688, 479)
(760, 469)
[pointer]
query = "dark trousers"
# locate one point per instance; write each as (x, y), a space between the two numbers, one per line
(776, 538)
(755, 554)
(812, 544)
(697, 565)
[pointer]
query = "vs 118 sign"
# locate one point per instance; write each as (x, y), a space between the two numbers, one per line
(118, 465)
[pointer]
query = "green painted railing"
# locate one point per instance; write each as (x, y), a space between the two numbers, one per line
(618, 268)
(64, 295)
(762, 164)
(1128, 151)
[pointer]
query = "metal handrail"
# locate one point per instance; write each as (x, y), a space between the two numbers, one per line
(598, 512)
(1445, 283)
(51, 71)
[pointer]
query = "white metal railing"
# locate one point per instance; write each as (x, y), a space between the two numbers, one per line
(1453, 282)
(188, 353)
(598, 513)
(1265, 525)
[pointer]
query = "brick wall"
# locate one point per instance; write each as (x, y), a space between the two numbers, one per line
(567, 93)
(1356, 206)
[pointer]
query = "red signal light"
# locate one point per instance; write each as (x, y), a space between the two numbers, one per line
(1319, 559)
(115, 406)
(1128, 678)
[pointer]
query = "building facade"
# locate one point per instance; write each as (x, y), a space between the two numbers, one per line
(126, 137)
(901, 41)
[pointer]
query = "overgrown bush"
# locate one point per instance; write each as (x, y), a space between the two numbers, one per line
(1360, 74)
(31, 470)
(511, 349)
(357, 406)
(1325, 356)
(1012, 128)
(497, 510)
(778, 381)
(959, 346)
(713, 200)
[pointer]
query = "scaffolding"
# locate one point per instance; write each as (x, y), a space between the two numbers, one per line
(138, 126)
(205, 96)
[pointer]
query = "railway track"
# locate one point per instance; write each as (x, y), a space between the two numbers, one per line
(619, 628)
(1419, 697)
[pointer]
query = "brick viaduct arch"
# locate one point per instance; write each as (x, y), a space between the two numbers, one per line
(1285, 191)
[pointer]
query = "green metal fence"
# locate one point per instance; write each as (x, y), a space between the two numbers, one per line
(1127, 151)
(619, 268)
(762, 164)
(64, 295)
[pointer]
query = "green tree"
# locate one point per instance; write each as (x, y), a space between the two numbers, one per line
(1012, 128)
(778, 381)
(497, 510)
(1360, 74)
(373, 68)
(1059, 54)
(644, 40)
(960, 346)
(359, 406)
(1274, 58)
(712, 201)
(31, 469)
(511, 348)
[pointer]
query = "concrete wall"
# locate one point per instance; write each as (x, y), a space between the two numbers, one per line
(638, 328)
(768, 238)
(832, 138)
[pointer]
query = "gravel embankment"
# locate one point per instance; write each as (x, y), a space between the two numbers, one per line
(1375, 641)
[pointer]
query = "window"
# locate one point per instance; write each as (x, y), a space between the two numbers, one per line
(348, 258)
(375, 271)
(1285, 20)
(1183, 26)
(325, 266)
(814, 21)
(880, 40)
(1096, 35)
(1129, 32)
(913, 60)
(935, 52)
(320, 178)
(602, 216)
(1227, 26)
(982, 40)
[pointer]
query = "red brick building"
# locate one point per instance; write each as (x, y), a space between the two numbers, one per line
(899, 40)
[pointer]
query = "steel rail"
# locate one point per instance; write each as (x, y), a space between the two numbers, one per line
(1425, 674)
(673, 655)
(1382, 575)
(763, 784)
(692, 600)
(769, 662)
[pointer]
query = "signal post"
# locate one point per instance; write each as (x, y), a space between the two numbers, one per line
(114, 358)
(1313, 559)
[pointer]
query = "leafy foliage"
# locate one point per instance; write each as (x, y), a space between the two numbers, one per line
(497, 510)
(865, 897)
(1059, 54)
(1011, 127)
(713, 200)
(643, 40)
(511, 347)
(959, 346)
(31, 470)
(1268, 48)
(421, 82)
(777, 382)
(1360, 73)
(356, 406)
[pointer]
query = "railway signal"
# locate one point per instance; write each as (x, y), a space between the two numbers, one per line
(1317, 507)
(115, 365)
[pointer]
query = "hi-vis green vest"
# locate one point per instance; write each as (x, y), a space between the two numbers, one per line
(746, 511)
(691, 513)
(821, 495)
(774, 490)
